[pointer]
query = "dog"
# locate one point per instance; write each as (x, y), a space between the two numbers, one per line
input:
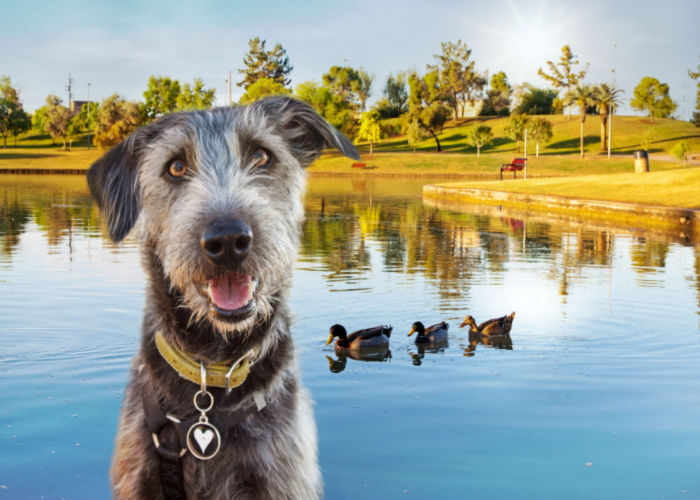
(214, 407)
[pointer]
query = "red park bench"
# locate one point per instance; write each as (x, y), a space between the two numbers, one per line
(359, 165)
(515, 165)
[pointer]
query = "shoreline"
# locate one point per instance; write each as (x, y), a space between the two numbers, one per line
(685, 222)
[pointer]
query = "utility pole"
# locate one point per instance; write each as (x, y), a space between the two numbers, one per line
(612, 107)
(69, 88)
(88, 117)
(229, 87)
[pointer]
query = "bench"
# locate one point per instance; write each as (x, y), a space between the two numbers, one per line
(359, 165)
(515, 165)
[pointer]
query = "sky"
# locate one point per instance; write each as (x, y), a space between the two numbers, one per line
(117, 46)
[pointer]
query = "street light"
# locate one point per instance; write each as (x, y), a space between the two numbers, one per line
(88, 117)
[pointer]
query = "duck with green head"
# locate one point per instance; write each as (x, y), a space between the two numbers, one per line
(433, 334)
(369, 338)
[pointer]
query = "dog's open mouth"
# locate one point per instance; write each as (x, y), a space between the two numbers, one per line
(231, 296)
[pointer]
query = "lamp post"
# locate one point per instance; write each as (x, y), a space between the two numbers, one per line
(88, 117)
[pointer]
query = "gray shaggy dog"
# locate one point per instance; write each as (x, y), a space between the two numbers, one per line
(218, 195)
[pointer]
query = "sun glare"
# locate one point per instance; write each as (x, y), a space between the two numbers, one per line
(527, 36)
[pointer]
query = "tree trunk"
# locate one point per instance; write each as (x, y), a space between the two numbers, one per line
(603, 132)
(371, 151)
(582, 122)
(478, 151)
(537, 150)
(437, 141)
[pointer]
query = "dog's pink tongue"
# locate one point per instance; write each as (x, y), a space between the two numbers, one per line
(231, 291)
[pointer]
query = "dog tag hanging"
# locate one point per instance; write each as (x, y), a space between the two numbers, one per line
(203, 438)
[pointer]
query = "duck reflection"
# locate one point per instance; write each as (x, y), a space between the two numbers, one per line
(422, 348)
(338, 365)
(495, 342)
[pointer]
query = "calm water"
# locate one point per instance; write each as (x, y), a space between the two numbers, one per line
(597, 396)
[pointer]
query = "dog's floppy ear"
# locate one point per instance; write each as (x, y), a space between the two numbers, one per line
(113, 183)
(305, 130)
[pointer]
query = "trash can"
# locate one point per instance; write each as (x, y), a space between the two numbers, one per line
(641, 161)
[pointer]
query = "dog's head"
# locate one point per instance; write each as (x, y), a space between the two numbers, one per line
(220, 197)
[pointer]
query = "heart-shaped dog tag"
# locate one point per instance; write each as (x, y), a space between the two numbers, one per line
(203, 440)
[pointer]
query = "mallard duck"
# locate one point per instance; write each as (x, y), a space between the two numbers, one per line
(369, 338)
(492, 327)
(431, 335)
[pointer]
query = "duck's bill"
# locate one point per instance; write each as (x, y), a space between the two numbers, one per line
(463, 325)
(413, 330)
(330, 339)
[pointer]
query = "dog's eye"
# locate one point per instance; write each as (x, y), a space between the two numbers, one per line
(260, 157)
(177, 169)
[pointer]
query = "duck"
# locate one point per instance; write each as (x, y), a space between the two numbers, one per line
(433, 334)
(492, 327)
(369, 338)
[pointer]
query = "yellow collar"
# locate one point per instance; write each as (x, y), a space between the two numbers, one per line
(226, 374)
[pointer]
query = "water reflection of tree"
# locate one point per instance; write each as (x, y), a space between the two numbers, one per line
(60, 208)
(13, 218)
(648, 255)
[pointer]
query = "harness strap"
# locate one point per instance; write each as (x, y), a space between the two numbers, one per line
(169, 434)
(170, 448)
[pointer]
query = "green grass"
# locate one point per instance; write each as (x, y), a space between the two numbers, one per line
(674, 188)
(628, 132)
(488, 165)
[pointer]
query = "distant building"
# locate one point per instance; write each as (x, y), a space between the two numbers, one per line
(77, 107)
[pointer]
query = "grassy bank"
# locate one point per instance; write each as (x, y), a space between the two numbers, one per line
(628, 133)
(488, 165)
(673, 188)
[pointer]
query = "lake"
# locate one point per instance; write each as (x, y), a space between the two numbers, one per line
(595, 395)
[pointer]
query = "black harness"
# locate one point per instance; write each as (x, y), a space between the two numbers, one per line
(168, 433)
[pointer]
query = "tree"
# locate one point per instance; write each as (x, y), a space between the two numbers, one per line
(116, 119)
(7, 108)
(344, 84)
(8, 92)
(680, 152)
(262, 88)
(540, 131)
(20, 122)
(536, 101)
(57, 119)
(479, 136)
(262, 63)
(652, 96)
(370, 130)
(426, 105)
(497, 102)
(515, 129)
(696, 114)
(39, 119)
(364, 88)
(561, 74)
(583, 96)
(195, 96)
(396, 95)
(316, 95)
(459, 81)
(160, 98)
(606, 99)
(415, 133)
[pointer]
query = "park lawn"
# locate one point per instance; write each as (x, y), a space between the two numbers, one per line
(674, 188)
(628, 133)
(54, 158)
(467, 164)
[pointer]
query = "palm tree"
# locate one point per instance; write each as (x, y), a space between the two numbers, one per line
(583, 96)
(607, 99)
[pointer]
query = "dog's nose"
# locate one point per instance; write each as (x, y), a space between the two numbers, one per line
(227, 243)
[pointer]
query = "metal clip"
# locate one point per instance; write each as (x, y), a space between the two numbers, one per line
(235, 365)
